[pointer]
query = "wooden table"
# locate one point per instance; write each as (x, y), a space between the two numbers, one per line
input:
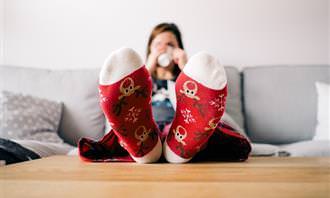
(67, 176)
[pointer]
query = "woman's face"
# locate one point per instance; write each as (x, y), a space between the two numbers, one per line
(162, 41)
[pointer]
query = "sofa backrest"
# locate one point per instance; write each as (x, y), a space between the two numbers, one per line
(234, 99)
(77, 89)
(280, 102)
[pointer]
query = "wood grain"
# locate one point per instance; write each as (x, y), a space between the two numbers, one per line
(67, 176)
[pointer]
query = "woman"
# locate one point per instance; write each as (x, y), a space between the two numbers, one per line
(164, 38)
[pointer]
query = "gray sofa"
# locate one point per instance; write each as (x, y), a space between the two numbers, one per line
(274, 105)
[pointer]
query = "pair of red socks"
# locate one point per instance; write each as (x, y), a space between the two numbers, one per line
(125, 89)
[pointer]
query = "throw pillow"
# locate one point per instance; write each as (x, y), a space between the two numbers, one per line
(323, 110)
(25, 117)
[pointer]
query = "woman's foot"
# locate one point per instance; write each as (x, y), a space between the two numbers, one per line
(201, 91)
(125, 97)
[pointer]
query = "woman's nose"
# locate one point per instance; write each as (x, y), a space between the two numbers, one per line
(162, 47)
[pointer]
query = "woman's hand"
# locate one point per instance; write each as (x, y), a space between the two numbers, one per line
(180, 57)
(152, 62)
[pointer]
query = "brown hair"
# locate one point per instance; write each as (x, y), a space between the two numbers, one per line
(166, 27)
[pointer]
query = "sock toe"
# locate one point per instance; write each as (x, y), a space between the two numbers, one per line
(206, 69)
(119, 64)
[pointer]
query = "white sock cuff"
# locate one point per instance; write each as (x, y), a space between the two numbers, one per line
(172, 157)
(119, 64)
(152, 156)
(206, 69)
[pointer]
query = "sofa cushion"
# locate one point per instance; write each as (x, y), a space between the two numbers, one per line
(45, 149)
(280, 102)
(77, 89)
(264, 150)
(315, 148)
(234, 98)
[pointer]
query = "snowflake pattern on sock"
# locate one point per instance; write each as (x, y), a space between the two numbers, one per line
(219, 102)
(188, 117)
(133, 115)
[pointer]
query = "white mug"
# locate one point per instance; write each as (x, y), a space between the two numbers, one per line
(165, 59)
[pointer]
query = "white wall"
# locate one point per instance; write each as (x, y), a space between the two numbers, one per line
(81, 33)
(2, 26)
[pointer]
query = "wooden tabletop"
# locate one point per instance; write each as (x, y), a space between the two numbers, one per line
(67, 176)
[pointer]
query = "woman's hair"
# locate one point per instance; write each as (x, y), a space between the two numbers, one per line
(166, 27)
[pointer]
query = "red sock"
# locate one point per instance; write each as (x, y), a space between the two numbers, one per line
(198, 111)
(127, 106)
